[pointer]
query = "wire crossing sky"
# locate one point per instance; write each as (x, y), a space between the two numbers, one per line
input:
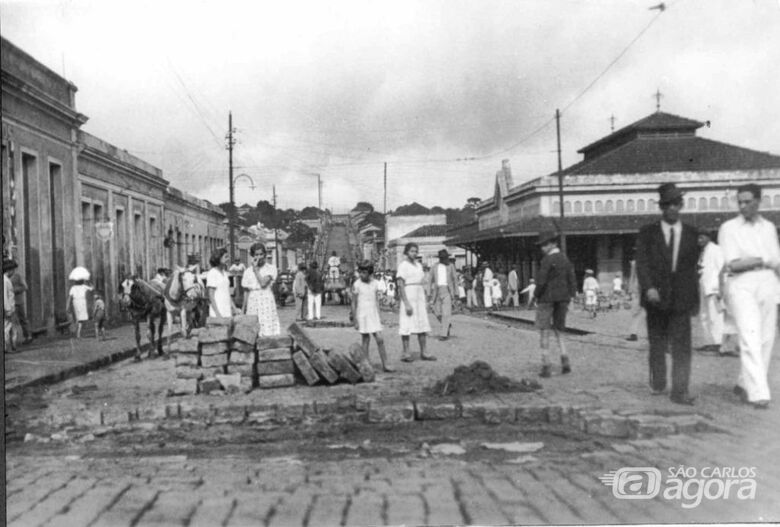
(441, 90)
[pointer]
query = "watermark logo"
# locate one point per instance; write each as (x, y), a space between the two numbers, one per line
(688, 485)
(634, 483)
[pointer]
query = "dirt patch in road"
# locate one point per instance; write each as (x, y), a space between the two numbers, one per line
(480, 378)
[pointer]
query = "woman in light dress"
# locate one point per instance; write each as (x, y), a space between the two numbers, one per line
(259, 299)
(218, 285)
(413, 316)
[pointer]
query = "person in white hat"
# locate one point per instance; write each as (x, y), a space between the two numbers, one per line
(590, 288)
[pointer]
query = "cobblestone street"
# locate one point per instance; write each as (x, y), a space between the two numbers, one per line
(196, 471)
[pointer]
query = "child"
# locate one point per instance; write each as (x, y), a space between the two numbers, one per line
(77, 298)
(591, 288)
(495, 289)
(99, 316)
(365, 312)
(531, 302)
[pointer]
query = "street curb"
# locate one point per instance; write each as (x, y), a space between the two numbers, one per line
(588, 419)
(78, 369)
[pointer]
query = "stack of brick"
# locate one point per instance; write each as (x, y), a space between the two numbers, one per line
(274, 365)
(316, 364)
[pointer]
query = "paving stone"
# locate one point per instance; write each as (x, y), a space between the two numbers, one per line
(212, 511)
(246, 333)
(228, 380)
(185, 386)
(555, 414)
(171, 507)
(275, 381)
(186, 359)
(688, 424)
(305, 368)
(365, 509)
(252, 508)
(405, 510)
(87, 507)
(189, 372)
(302, 339)
(245, 370)
(613, 426)
(241, 357)
(214, 348)
(136, 499)
(212, 371)
(278, 341)
(647, 426)
(345, 369)
(242, 347)
(319, 362)
(206, 386)
(395, 413)
(219, 322)
(190, 345)
(275, 367)
(623, 448)
(214, 334)
(212, 361)
(531, 414)
(429, 411)
(360, 361)
(272, 354)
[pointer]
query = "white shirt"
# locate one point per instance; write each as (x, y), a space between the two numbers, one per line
(590, 284)
(441, 275)
(219, 281)
(334, 261)
(487, 277)
(739, 238)
(710, 264)
(667, 229)
(8, 296)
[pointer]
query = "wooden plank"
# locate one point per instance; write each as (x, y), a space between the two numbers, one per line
(305, 368)
(346, 371)
(319, 361)
(302, 339)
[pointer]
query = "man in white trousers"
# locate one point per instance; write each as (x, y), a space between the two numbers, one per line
(752, 254)
(710, 305)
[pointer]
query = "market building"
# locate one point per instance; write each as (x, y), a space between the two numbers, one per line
(612, 192)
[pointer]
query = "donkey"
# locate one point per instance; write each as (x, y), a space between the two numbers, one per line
(144, 302)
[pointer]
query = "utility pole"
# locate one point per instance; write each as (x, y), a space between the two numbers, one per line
(319, 192)
(560, 178)
(385, 209)
(276, 232)
(232, 214)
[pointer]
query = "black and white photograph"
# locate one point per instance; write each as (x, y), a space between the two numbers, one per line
(362, 262)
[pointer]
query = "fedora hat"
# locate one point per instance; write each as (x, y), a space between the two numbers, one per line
(547, 236)
(444, 254)
(9, 264)
(669, 193)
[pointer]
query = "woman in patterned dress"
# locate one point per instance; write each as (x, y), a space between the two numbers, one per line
(413, 315)
(259, 299)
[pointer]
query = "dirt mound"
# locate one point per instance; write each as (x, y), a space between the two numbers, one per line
(479, 378)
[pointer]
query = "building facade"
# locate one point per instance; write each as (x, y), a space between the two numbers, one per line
(71, 199)
(612, 192)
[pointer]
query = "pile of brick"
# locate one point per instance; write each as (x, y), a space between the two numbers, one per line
(228, 355)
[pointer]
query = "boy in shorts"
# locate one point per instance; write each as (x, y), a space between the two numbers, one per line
(555, 287)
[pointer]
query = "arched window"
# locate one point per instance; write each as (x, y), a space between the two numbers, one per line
(599, 206)
(776, 201)
(713, 203)
(619, 205)
(702, 203)
(567, 206)
(588, 206)
(691, 203)
(608, 206)
(651, 204)
(640, 205)
(766, 201)
(724, 203)
(630, 205)
(577, 207)
(556, 207)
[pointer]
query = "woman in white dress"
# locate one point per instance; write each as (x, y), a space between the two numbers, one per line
(413, 315)
(259, 299)
(218, 285)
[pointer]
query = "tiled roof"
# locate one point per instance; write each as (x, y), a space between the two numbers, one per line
(660, 122)
(428, 230)
(604, 224)
(674, 154)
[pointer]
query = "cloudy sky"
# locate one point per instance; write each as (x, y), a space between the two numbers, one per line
(441, 90)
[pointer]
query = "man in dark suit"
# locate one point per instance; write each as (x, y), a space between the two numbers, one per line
(556, 285)
(667, 255)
